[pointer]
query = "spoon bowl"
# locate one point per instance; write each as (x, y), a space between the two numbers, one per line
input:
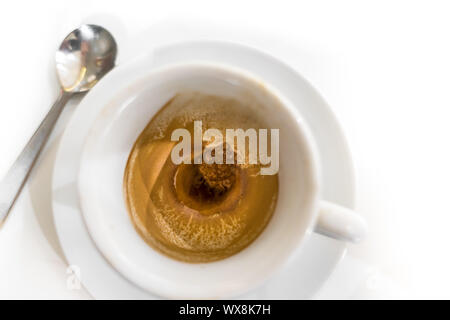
(85, 56)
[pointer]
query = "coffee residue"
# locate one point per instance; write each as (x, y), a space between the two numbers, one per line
(197, 212)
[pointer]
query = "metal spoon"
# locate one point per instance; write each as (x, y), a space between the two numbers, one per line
(84, 57)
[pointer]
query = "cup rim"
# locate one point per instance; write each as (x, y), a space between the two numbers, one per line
(308, 144)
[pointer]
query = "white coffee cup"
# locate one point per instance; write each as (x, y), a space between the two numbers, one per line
(299, 210)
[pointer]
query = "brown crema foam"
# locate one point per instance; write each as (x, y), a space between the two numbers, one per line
(197, 212)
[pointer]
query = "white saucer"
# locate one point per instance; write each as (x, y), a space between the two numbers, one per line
(305, 273)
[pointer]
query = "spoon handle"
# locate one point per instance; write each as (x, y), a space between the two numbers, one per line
(13, 181)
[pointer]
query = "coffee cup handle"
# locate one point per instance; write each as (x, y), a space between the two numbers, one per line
(340, 223)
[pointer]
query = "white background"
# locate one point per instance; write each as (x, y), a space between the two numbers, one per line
(383, 66)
